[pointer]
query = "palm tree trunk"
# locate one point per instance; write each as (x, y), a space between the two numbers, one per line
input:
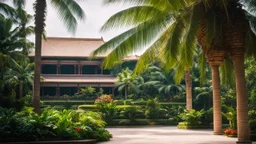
(217, 116)
(20, 89)
(40, 10)
(188, 89)
(242, 99)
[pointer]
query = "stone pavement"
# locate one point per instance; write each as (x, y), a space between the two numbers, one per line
(165, 135)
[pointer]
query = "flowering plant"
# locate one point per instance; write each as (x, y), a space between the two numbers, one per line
(104, 99)
(232, 132)
(78, 129)
(106, 107)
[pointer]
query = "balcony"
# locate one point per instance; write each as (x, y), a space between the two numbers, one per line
(78, 80)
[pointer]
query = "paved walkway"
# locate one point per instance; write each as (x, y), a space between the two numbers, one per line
(166, 135)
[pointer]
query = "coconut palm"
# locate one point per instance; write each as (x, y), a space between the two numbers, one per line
(20, 74)
(69, 11)
(171, 27)
(126, 82)
(10, 41)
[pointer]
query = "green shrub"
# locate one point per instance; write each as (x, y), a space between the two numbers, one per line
(132, 113)
(87, 107)
(106, 106)
(152, 109)
(253, 125)
(231, 117)
(192, 117)
(207, 117)
(66, 124)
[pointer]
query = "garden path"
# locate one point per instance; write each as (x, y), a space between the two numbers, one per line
(165, 135)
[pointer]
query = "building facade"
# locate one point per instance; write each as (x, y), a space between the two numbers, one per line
(66, 66)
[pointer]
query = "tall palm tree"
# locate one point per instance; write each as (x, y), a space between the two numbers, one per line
(20, 74)
(69, 11)
(126, 82)
(175, 25)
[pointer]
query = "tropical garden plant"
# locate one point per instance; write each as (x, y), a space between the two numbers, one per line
(66, 124)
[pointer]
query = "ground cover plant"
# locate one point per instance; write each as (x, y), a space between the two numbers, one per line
(51, 123)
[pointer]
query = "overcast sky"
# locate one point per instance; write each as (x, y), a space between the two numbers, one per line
(96, 16)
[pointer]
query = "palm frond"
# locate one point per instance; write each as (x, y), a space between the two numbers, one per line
(153, 52)
(68, 11)
(131, 17)
(144, 34)
(227, 73)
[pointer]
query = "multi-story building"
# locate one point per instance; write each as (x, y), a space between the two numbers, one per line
(66, 66)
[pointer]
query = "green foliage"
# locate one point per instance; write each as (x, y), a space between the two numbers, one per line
(66, 124)
(126, 82)
(152, 109)
(132, 113)
(252, 120)
(231, 117)
(88, 93)
(106, 107)
(192, 117)
(229, 98)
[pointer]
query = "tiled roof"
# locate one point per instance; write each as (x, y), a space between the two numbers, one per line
(70, 47)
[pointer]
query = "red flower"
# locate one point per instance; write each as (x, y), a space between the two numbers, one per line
(227, 131)
(233, 132)
(78, 129)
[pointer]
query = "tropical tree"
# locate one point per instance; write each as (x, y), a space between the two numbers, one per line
(69, 11)
(126, 82)
(164, 83)
(20, 74)
(219, 26)
(10, 41)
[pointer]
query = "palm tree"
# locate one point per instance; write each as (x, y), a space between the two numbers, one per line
(10, 41)
(69, 11)
(126, 82)
(164, 83)
(21, 74)
(180, 25)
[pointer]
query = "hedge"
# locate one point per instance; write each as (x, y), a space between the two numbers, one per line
(93, 107)
(185, 125)
(128, 122)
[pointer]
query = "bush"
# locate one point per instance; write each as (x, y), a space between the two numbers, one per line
(106, 106)
(192, 117)
(231, 117)
(51, 123)
(152, 109)
(207, 117)
(253, 126)
(132, 113)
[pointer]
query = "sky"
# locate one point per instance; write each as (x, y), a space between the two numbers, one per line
(96, 15)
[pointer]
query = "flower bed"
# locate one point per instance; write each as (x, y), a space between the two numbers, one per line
(230, 132)
(52, 124)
